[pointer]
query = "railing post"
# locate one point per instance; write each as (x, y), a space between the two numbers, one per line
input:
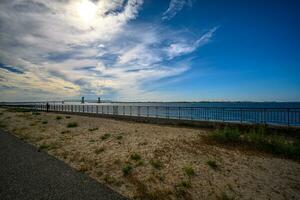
(123, 110)
(241, 114)
(288, 113)
(147, 111)
(179, 112)
(82, 108)
(130, 110)
(191, 113)
(223, 114)
(167, 112)
(139, 110)
(265, 120)
(156, 114)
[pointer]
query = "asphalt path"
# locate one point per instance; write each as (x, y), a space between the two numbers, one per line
(26, 173)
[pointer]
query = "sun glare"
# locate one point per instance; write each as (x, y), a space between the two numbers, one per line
(86, 10)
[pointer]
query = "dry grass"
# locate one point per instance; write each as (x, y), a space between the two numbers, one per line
(144, 161)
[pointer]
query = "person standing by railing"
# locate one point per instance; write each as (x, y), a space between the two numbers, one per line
(47, 106)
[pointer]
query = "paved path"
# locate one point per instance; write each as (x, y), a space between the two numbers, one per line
(26, 173)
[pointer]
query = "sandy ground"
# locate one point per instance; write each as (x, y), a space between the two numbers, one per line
(103, 147)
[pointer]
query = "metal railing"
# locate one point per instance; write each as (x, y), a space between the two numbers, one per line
(271, 116)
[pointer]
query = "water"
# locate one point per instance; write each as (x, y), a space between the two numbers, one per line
(277, 113)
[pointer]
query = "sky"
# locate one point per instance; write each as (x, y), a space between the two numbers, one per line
(150, 50)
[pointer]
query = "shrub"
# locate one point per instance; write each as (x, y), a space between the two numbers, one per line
(212, 164)
(68, 117)
(45, 122)
(274, 144)
(189, 171)
(135, 157)
(127, 169)
(257, 137)
(227, 135)
(72, 125)
(278, 145)
(105, 136)
(156, 164)
(58, 117)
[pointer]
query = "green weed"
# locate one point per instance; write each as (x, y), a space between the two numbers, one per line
(156, 164)
(189, 170)
(127, 169)
(212, 164)
(135, 157)
(72, 125)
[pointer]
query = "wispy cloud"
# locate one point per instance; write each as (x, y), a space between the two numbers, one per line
(175, 6)
(57, 54)
(181, 48)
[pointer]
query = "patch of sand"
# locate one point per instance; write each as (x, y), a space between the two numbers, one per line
(103, 151)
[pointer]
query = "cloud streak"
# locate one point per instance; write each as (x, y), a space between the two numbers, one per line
(175, 6)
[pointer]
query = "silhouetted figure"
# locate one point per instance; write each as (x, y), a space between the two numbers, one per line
(82, 99)
(99, 101)
(47, 106)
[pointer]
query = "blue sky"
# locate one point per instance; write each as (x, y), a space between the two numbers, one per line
(134, 50)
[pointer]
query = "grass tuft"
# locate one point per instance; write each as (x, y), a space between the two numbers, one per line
(105, 136)
(93, 129)
(100, 150)
(156, 164)
(225, 196)
(189, 170)
(44, 122)
(212, 164)
(135, 157)
(181, 189)
(127, 169)
(44, 147)
(68, 117)
(58, 117)
(72, 125)
(65, 131)
(119, 137)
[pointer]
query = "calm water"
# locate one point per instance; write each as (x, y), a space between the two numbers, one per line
(281, 113)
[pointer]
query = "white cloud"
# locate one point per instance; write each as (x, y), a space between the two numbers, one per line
(175, 6)
(178, 49)
(64, 55)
